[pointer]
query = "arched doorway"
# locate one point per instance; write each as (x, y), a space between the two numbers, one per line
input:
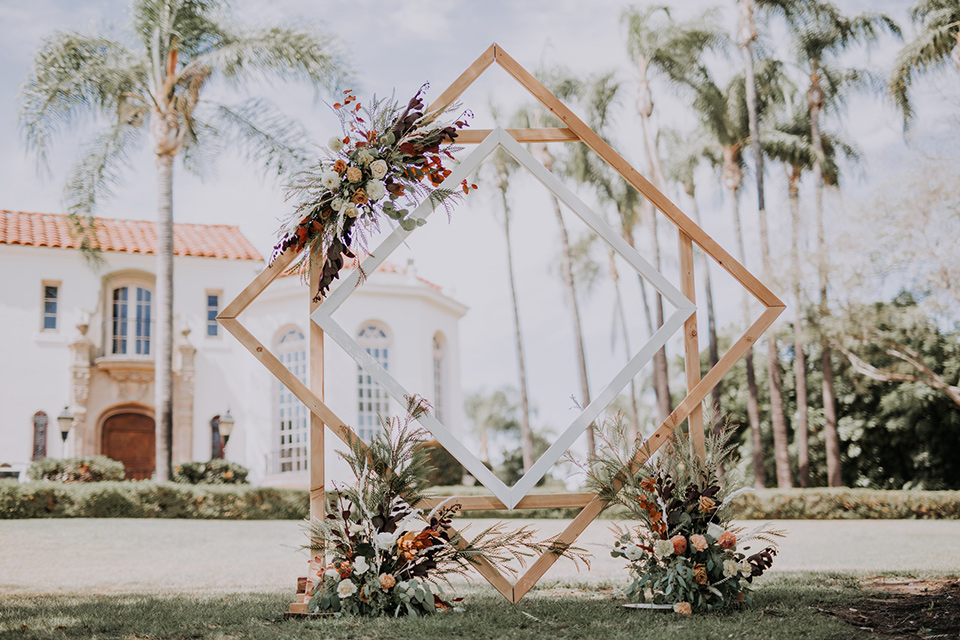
(131, 438)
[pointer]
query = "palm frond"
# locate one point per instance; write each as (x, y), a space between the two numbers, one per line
(75, 75)
(265, 136)
(91, 179)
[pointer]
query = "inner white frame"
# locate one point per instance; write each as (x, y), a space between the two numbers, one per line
(684, 308)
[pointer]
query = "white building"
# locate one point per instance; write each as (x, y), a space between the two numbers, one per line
(77, 336)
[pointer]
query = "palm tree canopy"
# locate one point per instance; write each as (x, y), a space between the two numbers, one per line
(177, 48)
(827, 32)
(937, 41)
(655, 40)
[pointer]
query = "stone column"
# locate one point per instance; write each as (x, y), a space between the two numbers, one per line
(183, 401)
(82, 352)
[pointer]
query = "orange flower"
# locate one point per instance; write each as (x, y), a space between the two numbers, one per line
(407, 545)
(655, 516)
(683, 608)
(647, 484)
(364, 597)
(360, 197)
(700, 573)
(707, 504)
(354, 174)
(339, 166)
(679, 544)
(386, 581)
(741, 597)
(345, 569)
(727, 540)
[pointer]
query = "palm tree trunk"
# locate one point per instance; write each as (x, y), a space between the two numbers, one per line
(829, 394)
(164, 340)
(661, 372)
(753, 403)
(526, 435)
(799, 360)
(778, 423)
(713, 350)
(634, 431)
(567, 269)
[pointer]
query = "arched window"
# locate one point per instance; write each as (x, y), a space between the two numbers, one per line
(439, 370)
(293, 418)
(130, 320)
(40, 422)
(372, 400)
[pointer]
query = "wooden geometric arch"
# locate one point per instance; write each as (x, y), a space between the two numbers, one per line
(697, 388)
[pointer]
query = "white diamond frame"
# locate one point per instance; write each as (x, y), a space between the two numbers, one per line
(684, 308)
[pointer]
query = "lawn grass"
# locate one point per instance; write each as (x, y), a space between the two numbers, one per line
(786, 606)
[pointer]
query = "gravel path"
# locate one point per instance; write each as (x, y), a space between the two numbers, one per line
(193, 556)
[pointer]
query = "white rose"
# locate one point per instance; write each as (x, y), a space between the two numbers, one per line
(730, 568)
(360, 565)
(346, 588)
(331, 573)
(330, 180)
(350, 210)
(336, 204)
(384, 541)
(356, 527)
(375, 189)
(633, 552)
(746, 569)
(378, 169)
(663, 548)
(335, 144)
(364, 157)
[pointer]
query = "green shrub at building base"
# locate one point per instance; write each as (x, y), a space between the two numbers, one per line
(146, 499)
(92, 469)
(217, 471)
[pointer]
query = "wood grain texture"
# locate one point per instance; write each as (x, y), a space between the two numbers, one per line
(270, 273)
(476, 136)
(691, 343)
(466, 78)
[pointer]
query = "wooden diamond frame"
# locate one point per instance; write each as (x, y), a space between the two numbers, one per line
(697, 388)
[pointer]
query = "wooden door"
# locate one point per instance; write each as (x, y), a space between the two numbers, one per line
(131, 439)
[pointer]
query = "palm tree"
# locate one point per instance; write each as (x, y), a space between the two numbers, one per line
(747, 35)
(938, 39)
(536, 118)
(658, 45)
(155, 85)
(826, 36)
(723, 114)
(789, 142)
(504, 166)
(684, 154)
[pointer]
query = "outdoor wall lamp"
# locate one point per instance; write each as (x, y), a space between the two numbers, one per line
(226, 426)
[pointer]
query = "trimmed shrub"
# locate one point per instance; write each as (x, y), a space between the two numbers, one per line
(93, 469)
(147, 499)
(217, 471)
(843, 503)
(446, 469)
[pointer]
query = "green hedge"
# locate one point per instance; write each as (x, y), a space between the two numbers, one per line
(217, 471)
(146, 499)
(846, 504)
(92, 469)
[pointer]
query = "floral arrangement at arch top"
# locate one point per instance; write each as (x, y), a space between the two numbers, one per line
(380, 556)
(685, 552)
(385, 163)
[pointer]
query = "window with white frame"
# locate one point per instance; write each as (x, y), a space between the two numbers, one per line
(213, 310)
(293, 418)
(372, 400)
(439, 349)
(50, 320)
(131, 319)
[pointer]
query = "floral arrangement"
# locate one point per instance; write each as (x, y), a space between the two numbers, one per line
(385, 163)
(685, 552)
(380, 556)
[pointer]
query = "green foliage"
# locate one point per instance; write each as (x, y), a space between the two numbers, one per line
(446, 469)
(846, 504)
(217, 471)
(93, 469)
(146, 499)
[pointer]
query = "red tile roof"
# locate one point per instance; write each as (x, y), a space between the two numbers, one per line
(129, 236)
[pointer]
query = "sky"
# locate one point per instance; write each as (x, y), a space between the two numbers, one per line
(397, 46)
